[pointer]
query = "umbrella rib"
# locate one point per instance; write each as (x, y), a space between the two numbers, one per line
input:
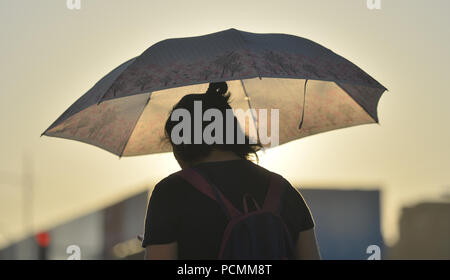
(250, 107)
(375, 119)
(100, 100)
(303, 108)
(247, 49)
(134, 126)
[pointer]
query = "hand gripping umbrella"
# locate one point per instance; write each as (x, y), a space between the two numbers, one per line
(314, 89)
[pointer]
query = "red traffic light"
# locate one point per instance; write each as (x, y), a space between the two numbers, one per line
(43, 239)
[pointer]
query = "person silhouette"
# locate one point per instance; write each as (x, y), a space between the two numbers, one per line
(184, 223)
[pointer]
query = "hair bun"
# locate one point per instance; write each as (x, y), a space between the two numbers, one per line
(217, 88)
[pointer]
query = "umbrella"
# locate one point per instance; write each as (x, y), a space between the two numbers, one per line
(315, 89)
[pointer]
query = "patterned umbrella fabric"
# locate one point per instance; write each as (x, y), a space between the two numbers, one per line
(124, 113)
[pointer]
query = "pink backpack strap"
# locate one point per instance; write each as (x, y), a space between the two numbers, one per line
(274, 192)
(201, 184)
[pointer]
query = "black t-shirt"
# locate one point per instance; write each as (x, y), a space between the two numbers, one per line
(179, 212)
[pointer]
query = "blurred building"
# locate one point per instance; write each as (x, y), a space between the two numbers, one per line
(123, 223)
(109, 233)
(424, 232)
(347, 222)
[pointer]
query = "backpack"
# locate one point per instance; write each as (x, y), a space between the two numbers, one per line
(257, 235)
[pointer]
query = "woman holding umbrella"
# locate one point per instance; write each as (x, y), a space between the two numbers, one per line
(221, 204)
(183, 222)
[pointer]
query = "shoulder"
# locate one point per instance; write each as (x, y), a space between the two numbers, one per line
(289, 191)
(269, 175)
(280, 178)
(260, 170)
(170, 184)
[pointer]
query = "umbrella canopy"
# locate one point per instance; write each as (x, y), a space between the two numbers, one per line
(125, 111)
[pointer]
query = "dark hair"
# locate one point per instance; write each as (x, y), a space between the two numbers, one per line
(216, 97)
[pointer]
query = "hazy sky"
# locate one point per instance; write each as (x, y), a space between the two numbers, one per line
(51, 55)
